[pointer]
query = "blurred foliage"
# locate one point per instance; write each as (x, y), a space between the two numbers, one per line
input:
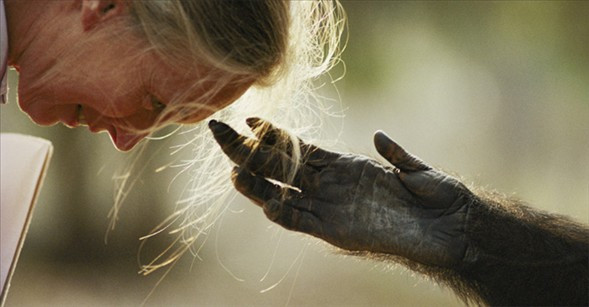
(545, 33)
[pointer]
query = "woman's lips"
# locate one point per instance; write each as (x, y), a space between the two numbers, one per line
(81, 116)
(71, 118)
(75, 118)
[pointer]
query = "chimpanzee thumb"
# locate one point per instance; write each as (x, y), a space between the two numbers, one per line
(396, 155)
(434, 188)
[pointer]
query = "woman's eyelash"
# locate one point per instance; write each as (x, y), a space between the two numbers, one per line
(156, 103)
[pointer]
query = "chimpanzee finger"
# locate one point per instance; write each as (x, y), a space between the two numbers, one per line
(435, 189)
(281, 205)
(260, 190)
(292, 218)
(269, 135)
(236, 146)
(396, 155)
(256, 188)
(249, 153)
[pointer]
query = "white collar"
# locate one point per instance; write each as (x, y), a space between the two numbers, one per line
(3, 54)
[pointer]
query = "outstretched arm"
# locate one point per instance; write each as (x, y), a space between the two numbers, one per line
(487, 248)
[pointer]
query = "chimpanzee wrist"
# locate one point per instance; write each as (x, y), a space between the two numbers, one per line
(516, 255)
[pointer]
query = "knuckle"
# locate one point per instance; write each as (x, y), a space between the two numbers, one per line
(272, 210)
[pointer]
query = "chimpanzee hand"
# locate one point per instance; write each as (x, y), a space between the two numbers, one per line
(352, 201)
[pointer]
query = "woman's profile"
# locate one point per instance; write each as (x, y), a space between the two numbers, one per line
(129, 68)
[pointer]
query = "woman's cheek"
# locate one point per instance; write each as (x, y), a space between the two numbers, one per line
(115, 106)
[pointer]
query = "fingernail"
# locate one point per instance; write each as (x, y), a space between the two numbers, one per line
(235, 173)
(380, 134)
(252, 121)
(216, 126)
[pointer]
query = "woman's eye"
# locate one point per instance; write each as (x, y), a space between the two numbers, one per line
(157, 104)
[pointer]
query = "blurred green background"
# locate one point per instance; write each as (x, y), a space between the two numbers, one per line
(497, 92)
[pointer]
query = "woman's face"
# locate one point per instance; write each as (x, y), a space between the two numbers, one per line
(107, 81)
(115, 88)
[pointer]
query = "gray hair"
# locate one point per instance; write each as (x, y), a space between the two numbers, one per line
(283, 46)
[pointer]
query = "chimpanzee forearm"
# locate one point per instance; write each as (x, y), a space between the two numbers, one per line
(520, 256)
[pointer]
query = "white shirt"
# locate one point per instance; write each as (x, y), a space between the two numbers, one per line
(3, 54)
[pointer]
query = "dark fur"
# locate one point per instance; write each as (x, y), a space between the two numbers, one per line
(516, 256)
(521, 256)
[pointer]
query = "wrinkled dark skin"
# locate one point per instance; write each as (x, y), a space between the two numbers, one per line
(351, 201)
(488, 248)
